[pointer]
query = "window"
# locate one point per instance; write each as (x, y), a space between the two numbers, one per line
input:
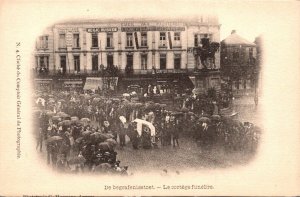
(196, 40)
(62, 40)
(44, 62)
(129, 64)
(177, 36)
(209, 36)
(43, 42)
(63, 64)
(94, 40)
(129, 39)
(76, 41)
(235, 55)
(251, 58)
(177, 61)
(250, 52)
(77, 63)
(130, 60)
(109, 40)
(144, 39)
(204, 40)
(162, 39)
(163, 61)
(177, 39)
(94, 62)
(110, 61)
(144, 61)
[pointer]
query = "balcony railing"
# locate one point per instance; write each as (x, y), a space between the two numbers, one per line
(117, 73)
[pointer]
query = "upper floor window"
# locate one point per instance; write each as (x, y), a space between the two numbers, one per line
(177, 61)
(144, 61)
(235, 55)
(94, 40)
(203, 39)
(77, 63)
(62, 41)
(144, 39)
(76, 41)
(251, 57)
(43, 61)
(196, 40)
(129, 40)
(162, 39)
(177, 39)
(109, 40)
(250, 52)
(163, 61)
(177, 36)
(94, 62)
(43, 42)
(110, 60)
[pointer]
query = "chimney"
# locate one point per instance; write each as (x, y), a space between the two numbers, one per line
(233, 31)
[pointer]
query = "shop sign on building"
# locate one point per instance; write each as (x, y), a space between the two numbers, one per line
(102, 29)
(69, 29)
(151, 26)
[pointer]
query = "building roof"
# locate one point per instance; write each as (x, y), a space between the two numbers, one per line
(235, 39)
(205, 19)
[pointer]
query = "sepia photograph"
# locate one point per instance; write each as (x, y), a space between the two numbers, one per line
(145, 94)
(149, 98)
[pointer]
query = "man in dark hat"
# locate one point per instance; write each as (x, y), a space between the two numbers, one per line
(168, 134)
(146, 138)
(175, 132)
(133, 135)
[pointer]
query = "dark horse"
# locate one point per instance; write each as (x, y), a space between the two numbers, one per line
(208, 51)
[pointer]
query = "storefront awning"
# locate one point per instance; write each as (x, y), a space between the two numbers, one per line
(93, 83)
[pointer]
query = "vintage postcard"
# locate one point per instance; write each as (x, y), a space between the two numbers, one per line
(149, 98)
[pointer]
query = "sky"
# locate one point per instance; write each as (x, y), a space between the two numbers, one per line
(245, 28)
(248, 18)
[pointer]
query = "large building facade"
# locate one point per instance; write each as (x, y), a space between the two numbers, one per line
(239, 64)
(139, 47)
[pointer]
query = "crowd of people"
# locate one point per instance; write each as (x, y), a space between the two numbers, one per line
(80, 132)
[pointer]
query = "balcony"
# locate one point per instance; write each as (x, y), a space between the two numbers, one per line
(95, 48)
(117, 73)
(177, 46)
(109, 48)
(129, 47)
